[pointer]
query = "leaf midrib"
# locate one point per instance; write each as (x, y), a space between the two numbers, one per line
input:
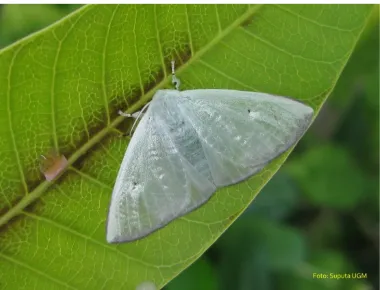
(42, 187)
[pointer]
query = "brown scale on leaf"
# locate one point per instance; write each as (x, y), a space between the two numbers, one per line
(52, 165)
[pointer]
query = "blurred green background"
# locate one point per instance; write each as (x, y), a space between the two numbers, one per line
(319, 213)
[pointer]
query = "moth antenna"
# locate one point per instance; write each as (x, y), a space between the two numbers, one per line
(175, 80)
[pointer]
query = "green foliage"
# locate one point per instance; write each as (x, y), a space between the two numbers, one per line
(61, 89)
(276, 206)
(19, 20)
(323, 172)
(200, 274)
(323, 262)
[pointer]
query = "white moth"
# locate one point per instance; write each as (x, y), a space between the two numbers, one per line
(190, 143)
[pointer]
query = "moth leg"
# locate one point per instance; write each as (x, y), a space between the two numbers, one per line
(135, 115)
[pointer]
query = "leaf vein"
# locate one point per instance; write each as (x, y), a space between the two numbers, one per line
(136, 53)
(268, 43)
(109, 154)
(218, 19)
(226, 76)
(9, 112)
(90, 178)
(289, 11)
(96, 242)
(189, 31)
(54, 77)
(242, 54)
(104, 58)
(159, 42)
(30, 268)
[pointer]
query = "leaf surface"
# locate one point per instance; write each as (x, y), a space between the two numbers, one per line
(61, 89)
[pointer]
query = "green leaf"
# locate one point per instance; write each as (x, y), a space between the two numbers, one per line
(61, 89)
